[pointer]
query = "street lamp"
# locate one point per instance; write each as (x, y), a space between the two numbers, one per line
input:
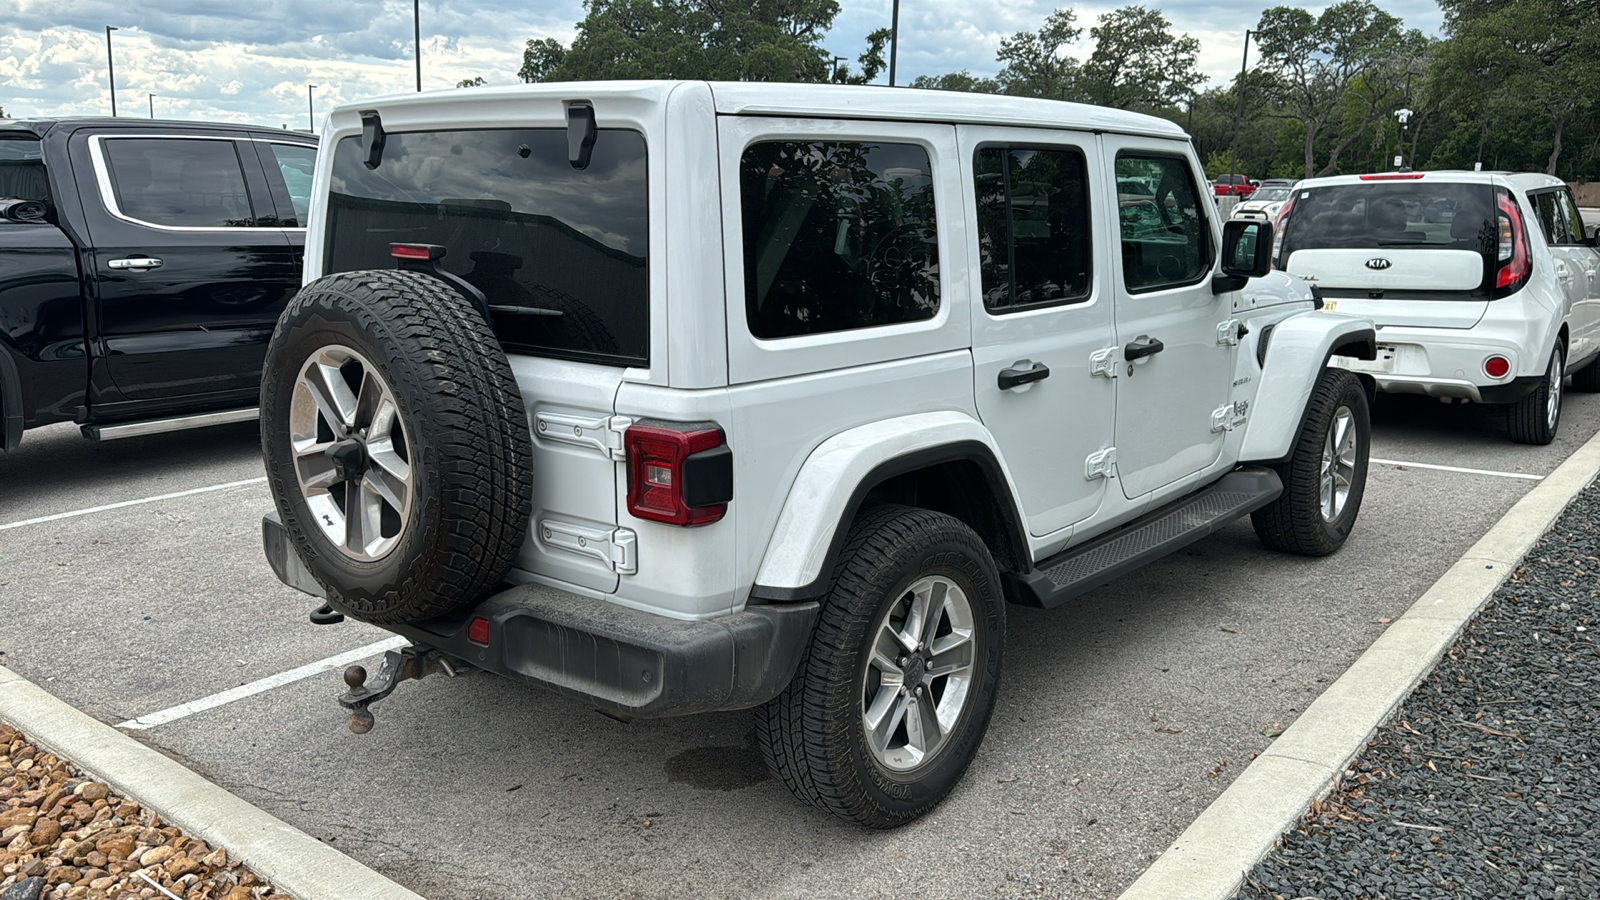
(1238, 114)
(152, 106)
(894, 39)
(1404, 115)
(836, 61)
(111, 70)
(416, 28)
(311, 109)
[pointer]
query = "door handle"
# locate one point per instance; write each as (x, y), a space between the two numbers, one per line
(1142, 346)
(136, 263)
(1010, 378)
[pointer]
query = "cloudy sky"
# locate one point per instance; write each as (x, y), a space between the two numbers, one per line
(251, 60)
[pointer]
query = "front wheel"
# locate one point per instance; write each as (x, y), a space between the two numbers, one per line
(1326, 473)
(894, 694)
(1535, 418)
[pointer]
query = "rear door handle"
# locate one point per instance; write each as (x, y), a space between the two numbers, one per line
(1142, 346)
(1010, 378)
(136, 263)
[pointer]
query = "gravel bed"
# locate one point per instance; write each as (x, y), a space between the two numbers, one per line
(1484, 784)
(67, 837)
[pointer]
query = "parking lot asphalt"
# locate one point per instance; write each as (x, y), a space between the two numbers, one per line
(1120, 717)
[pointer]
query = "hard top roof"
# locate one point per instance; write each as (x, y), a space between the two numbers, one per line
(823, 100)
(1524, 180)
(42, 124)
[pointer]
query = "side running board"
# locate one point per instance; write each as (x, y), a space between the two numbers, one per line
(175, 423)
(1081, 569)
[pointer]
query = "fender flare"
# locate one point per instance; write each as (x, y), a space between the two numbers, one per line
(1299, 349)
(834, 481)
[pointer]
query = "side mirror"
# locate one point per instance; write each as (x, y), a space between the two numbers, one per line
(1246, 248)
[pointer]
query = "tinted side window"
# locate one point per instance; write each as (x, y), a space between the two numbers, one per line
(1164, 237)
(837, 235)
(296, 164)
(179, 181)
(1548, 209)
(1033, 226)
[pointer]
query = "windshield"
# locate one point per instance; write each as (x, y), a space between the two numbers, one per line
(1271, 194)
(560, 253)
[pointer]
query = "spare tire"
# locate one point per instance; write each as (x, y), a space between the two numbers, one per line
(396, 443)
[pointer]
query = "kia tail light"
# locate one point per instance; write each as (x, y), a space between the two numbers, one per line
(1511, 257)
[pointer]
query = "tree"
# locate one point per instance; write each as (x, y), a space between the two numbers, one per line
(957, 81)
(540, 59)
(1137, 62)
(719, 40)
(1539, 57)
(871, 61)
(1314, 61)
(1036, 63)
(474, 81)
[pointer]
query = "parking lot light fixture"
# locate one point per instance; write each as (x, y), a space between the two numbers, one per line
(311, 109)
(152, 106)
(1238, 114)
(416, 32)
(111, 70)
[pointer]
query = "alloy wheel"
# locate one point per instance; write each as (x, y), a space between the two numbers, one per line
(919, 674)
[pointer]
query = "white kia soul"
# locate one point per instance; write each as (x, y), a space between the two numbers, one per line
(1481, 283)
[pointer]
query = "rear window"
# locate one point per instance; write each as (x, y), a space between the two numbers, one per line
(519, 223)
(22, 174)
(1419, 214)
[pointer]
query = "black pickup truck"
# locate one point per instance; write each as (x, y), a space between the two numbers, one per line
(143, 265)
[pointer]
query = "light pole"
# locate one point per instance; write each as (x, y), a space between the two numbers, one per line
(416, 29)
(1238, 114)
(836, 61)
(1404, 115)
(152, 106)
(111, 70)
(311, 109)
(894, 39)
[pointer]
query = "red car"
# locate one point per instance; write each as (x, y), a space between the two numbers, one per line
(1234, 185)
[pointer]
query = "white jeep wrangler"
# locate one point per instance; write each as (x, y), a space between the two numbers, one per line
(682, 397)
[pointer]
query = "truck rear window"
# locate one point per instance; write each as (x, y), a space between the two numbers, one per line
(1415, 214)
(518, 222)
(22, 173)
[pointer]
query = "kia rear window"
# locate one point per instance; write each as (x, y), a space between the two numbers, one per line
(1416, 214)
(519, 223)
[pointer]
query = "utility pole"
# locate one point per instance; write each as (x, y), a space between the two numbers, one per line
(894, 39)
(311, 109)
(111, 70)
(1238, 114)
(836, 61)
(152, 106)
(416, 30)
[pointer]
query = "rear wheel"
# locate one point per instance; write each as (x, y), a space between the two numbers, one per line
(1326, 474)
(894, 694)
(1535, 418)
(396, 444)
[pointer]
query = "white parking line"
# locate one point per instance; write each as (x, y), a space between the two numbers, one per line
(1417, 465)
(183, 710)
(109, 506)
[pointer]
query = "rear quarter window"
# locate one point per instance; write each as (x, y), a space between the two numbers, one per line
(519, 223)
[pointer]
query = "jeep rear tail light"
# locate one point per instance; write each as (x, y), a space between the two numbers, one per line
(1512, 252)
(680, 474)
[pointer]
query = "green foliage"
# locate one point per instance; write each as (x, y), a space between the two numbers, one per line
(475, 81)
(1036, 62)
(957, 81)
(1138, 63)
(540, 59)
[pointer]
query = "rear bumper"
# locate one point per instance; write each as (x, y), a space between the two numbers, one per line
(1447, 363)
(624, 661)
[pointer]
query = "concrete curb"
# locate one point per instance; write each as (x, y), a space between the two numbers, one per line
(1210, 859)
(290, 859)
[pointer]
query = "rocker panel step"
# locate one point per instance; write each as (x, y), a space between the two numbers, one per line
(1081, 569)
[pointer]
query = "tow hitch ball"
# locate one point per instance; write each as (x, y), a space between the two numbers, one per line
(405, 664)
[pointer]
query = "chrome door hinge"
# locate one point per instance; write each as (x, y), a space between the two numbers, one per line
(1100, 465)
(1229, 416)
(1105, 362)
(603, 434)
(617, 548)
(1229, 333)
